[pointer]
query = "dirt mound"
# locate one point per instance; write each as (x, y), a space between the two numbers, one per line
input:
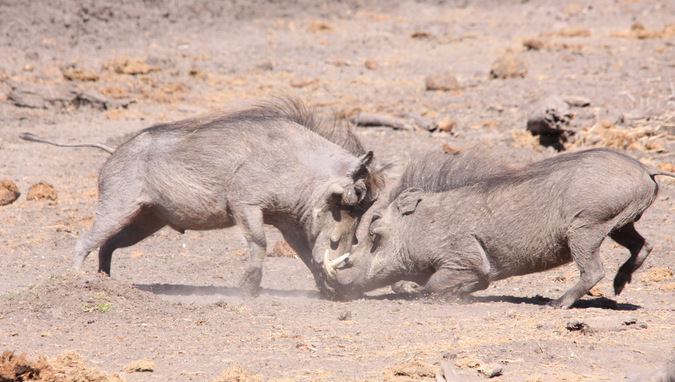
(67, 296)
(65, 367)
(42, 191)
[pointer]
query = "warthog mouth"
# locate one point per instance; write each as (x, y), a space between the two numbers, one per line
(330, 265)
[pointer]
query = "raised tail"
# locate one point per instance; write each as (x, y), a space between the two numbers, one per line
(34, 138)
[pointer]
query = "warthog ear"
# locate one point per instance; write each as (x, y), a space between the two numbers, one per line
(366, 158)
(362, 167)
(406, 202)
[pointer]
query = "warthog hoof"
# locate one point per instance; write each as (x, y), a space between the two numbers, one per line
(250, 282)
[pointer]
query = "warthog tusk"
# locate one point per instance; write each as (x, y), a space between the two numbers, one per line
(339, 260)
(329, 265)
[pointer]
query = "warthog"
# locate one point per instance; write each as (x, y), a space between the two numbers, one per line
(521, 221)
(273, 163)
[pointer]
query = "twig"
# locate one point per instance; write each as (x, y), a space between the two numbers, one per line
(369, 119)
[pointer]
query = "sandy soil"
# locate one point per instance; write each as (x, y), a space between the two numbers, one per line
(81, 70)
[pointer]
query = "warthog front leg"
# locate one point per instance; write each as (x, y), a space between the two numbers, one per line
(251, 222)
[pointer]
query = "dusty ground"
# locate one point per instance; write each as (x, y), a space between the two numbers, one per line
(80, 70)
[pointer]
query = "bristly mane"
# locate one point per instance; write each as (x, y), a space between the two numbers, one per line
(296, 111)
(436, 171)
(285, 108)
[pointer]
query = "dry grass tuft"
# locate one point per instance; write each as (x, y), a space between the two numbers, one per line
(605, 134)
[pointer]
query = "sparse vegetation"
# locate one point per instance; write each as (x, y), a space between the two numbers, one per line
(100, 303)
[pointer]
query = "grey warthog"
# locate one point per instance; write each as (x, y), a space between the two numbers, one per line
(521, 221)
(273, 163)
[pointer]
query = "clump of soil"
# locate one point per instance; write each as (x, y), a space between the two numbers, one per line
(237, 374)
(129, 65)
(67, 366)
(509, 66)
(414, 370)
(19, 368)
(140, 366)
(75, 73)
(9, 192)
(42, 191)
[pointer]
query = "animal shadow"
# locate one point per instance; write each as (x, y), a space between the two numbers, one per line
(597, 302)
(211, 290)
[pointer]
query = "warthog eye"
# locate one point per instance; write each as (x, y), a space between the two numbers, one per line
(374, 223)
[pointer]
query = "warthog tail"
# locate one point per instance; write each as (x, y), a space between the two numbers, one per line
(34, 138)
(661, 172)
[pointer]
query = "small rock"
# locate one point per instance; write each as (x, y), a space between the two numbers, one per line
(304, 82)
(469, 362)
(490, 371)
(319, 26)
(446, 125)
(550, 116)
(42, 191)
(578, 326)
(442, 81)
(577, 101)
(130, 65)
(420, 34)
(574, 32)
(139, 366)
(9, 192)
(345, 316)
(370, 65)
(450, 149)
(74, 73)
(604, 324)
(533, 43)
(509, 66)
(596, 291)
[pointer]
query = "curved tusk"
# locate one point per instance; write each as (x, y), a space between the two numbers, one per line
(339, 260)
(328, 267)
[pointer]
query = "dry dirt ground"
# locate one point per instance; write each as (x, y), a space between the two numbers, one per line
(84, 70)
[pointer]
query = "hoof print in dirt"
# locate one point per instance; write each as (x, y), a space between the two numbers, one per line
(9, 192)
(42, 191)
